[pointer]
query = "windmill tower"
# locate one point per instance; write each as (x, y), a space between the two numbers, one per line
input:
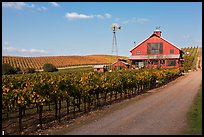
(115, 27)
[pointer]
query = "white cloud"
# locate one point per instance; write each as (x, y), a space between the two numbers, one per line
(142, 20)
(107, 15)
(11, 50)
(99, 16)
(17, 5)
(75, 16)
(54, 4)
(117, 19)
(133, 20)
(32, 6)
(126, 22)
(41, 8)
(21, 5)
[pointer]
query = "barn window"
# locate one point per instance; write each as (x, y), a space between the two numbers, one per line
(148, 48)
(171, 62)
(160, 48)
(171, 51)
(138, 52)
(155, 48)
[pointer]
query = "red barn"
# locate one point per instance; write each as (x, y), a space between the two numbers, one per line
(155, 52)
(121, 63)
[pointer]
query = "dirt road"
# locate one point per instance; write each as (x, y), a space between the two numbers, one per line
(161, 112)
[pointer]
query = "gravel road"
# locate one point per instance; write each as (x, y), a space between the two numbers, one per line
(161, 112)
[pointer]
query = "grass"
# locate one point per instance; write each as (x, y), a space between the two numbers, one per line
(194, 116)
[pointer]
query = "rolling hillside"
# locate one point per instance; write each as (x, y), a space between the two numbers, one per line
(59, 61)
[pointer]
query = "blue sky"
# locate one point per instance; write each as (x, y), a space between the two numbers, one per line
(84, 28)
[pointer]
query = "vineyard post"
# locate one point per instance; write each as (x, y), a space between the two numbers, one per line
(74, 107)
(49, 106)
(89, 103)
(105, 96)
(20, 120)
(7, 112)
(111, 93)
(24, 109)
(97, 99)
(79, 102)
(85, 104)
(60, 101)
(137, 87)
(133, 91)
(128, 92)
(40, 115)
(56, 109)
(36, 105)
(121, 94)
(68, 103)
(115, 95)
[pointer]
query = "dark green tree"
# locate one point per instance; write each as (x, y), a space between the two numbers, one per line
(49, 68)
(7, 69)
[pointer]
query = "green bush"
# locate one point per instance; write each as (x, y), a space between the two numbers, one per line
(49, 68)
(28, 70)
(7, 69)
(18, 70)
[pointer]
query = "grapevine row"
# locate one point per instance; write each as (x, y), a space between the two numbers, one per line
(76, 88)
(58, 61)
(190, 59)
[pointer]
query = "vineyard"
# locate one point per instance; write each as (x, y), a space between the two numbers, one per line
(58, 61)
(190, 57)
(33, 101)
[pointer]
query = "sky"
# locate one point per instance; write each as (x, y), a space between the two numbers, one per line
(84, 28)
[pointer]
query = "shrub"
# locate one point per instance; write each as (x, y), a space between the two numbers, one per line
(49, 68)
(7, 69)
(30, 70)
(18, 70)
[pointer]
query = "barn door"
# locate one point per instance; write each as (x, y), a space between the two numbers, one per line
(141, 64)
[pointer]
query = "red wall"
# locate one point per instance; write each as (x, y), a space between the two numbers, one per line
(99, 70)
(118, 63)
(143, 47)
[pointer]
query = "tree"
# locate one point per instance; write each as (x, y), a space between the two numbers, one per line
(7, 69)
(49, 68)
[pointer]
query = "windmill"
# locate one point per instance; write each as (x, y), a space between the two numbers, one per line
(158, 28)
(115, 27)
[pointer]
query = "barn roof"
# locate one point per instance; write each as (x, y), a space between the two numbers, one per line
(156, 36)
(121, 62)
(98, 66)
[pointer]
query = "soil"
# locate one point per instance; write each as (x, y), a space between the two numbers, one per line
(160, 111)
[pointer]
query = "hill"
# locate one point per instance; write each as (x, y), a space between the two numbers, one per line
(59, 61)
